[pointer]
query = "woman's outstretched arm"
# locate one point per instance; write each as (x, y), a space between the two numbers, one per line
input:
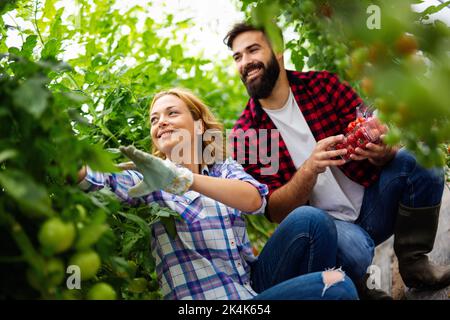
(233, 193)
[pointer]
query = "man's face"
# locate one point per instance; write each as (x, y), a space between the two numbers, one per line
(256, 62)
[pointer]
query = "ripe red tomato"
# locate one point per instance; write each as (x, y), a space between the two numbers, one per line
(361, 143)
(350, 150)
(351, 140)
(351, 125)
(406, 44)
(359, 134)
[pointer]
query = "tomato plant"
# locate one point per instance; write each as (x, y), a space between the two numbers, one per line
(61, 108)
(396, 58)
(101, 291)
(56, 236)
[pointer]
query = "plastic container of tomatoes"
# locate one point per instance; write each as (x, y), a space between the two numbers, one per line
(360, 132)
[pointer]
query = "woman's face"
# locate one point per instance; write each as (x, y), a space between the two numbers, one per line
(171, 124)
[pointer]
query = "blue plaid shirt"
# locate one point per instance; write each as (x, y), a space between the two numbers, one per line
(209, 258)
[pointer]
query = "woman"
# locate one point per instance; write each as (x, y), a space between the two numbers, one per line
(211, 257)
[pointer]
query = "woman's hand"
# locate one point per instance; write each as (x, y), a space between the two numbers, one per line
(158, 174)
(81, 174)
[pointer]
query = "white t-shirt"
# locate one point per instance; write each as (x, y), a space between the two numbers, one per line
(333, 192)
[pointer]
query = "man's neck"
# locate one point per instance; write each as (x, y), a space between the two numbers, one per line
(280, 93)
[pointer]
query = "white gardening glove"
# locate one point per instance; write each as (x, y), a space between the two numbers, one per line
(158, 174)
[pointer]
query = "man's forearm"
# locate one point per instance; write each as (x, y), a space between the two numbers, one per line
(292, 195)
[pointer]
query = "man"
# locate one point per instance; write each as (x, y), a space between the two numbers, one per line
(380, 192)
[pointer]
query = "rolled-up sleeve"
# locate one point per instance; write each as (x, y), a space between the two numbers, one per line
(119, 183)
(230, 169)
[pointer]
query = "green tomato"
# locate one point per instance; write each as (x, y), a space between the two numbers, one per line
(359, 56)
(73, 294)
(55, 272)
(151, 296)
(101, 291)
(56, 236)
(89, 263)
(307, 7)
(138, 285)
(89, 235)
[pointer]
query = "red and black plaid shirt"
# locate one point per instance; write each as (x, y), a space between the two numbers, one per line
(328, 107)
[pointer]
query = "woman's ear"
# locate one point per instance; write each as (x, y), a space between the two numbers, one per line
(199, 127)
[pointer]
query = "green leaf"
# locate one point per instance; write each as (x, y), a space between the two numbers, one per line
(91, 77)
(275, 36)
(143, 225)
(169, 224)
(56, 27)
(297, 59)
(265, 15)
(28, 46)
(31, 197)
(51, 49)
(49, 9)
(434, 9)
(14, 51)
(313, 60)
(7, 154)
(99, 159)
(7, 5)
(32, 96)
(176, 52)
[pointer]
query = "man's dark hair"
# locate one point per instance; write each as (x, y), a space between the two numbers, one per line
(239, 28)
(242, 27)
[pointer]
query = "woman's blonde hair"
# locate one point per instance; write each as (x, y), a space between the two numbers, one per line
(199, 111)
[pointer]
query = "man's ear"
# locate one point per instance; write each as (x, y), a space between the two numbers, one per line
(280, 57)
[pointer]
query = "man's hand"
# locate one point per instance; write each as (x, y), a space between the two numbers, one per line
(322, 157)
(158, 174)
(377, 154)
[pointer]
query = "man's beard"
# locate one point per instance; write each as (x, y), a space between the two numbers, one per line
(261, 88)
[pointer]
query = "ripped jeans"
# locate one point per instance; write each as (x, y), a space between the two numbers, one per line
(291, 265)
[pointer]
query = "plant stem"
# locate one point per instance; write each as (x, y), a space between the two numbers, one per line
(35, 23)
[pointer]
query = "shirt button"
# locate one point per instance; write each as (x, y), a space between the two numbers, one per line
(239, 264)
(232, 243)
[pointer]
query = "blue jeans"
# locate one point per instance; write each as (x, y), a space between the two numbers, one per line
(289, 264)
(401, 181)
